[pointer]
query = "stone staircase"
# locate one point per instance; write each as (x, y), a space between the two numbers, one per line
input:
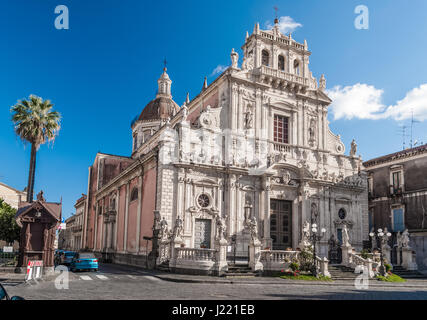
(407, 274)
(339, 272)
(240, 270)
(164, 266)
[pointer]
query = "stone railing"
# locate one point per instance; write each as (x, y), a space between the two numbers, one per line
(193, 254)
(285, 77)
(323, 266)
(276, 260)
(281, 147)
(355, 261)
(282, 40)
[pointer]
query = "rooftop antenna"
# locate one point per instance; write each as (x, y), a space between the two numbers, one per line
(404, 135)
(412, 124)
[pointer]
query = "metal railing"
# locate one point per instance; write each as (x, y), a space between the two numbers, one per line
(8, 259)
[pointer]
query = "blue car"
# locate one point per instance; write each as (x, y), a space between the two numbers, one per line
(67, 257)
(84, 261)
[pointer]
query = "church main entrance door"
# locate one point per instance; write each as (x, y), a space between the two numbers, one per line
(202, 237)
(280, 224)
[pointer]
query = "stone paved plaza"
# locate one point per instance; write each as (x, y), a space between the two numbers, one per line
(122, 283)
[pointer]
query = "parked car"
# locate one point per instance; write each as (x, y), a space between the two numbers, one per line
(67, 257)
(5, 296)
(84, 261)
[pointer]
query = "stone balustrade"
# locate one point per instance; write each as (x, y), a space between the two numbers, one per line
(276, 260)
(281, 147)
(280, 78)
(193, 254)
(355, 261)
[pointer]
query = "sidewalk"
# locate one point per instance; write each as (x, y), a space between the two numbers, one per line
(419, 283)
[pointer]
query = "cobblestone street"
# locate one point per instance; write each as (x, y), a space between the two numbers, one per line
(120, 282)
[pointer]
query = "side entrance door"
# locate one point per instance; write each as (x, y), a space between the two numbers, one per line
(281, 224)
(202, 236)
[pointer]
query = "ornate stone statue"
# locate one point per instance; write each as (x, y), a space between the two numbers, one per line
(305, 239)
(220, 228)
(322, 83)
(253, 228)
(248, 62)
(345, 237)
(399, 240)
(234, 59)
(312, 131)
(314, 212)
(184, 112)
(248, 119)
(405, 239)
(178, 229)
(353, 149)
(163, 229)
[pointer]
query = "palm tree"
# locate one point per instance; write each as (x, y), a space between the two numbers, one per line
(36, 123)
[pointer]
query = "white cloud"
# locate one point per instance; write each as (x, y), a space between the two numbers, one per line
(358, 101)
(365, 102)
(415, 101)
(219, 69)
(286, 24)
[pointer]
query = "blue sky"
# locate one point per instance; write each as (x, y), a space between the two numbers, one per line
(103, 70)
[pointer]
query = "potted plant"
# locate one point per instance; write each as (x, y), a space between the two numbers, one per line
(288, 249)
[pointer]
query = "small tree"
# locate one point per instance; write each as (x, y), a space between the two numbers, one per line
(9, 230)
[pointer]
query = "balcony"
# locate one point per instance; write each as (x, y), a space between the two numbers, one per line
(396, 191)
(280, 79)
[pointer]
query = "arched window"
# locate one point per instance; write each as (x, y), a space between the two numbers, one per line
(265, 58)
(297, 67)
(134, 194)
(281, 63)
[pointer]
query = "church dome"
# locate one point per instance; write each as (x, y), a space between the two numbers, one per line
(160, 108)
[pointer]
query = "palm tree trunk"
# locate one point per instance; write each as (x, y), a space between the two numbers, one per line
(31, 175)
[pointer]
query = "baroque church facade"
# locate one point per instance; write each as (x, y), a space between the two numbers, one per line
(251, 156)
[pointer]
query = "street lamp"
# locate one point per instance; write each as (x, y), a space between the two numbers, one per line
(382, 237)
(314, 237)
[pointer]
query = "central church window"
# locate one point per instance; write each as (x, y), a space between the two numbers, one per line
(203, 201)
(281, 129)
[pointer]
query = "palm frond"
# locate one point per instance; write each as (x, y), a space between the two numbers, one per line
(35, 121)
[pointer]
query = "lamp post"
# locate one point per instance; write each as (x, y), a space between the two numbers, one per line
(314, 237)
(382, 237)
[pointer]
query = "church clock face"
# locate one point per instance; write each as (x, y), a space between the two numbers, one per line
(203, 201)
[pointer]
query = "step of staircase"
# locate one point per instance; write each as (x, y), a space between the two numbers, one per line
(339, 272)
(240, 270)
(408, 274)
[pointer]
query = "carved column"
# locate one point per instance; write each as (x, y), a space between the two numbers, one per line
(117, 217)
(266, 191)
(138, 216)
(125, 234)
